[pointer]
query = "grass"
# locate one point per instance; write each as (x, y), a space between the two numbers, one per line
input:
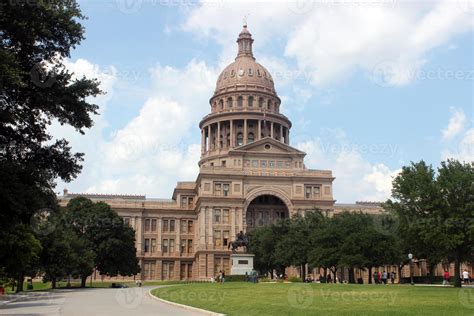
(240, 298)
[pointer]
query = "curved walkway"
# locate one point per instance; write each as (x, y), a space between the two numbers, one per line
(130, 301)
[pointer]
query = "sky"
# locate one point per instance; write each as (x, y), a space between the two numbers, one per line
(370, 85)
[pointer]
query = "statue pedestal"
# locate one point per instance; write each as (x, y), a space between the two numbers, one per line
(241, 263)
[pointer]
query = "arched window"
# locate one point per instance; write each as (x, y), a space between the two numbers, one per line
(250, 102)
(240, 139)
(269, 105)
(221, 104)
(251, 138)
(240, 101)
(260, 103)
(229, 102)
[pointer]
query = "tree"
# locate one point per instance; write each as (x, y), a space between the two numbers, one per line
(22, 253)
(293, 247)
(435, 212)
(112, 242)
(35, 90)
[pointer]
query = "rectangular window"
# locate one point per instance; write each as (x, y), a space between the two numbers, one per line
(190, 202)
(166, 227)
(147, 225)
(263, 163)
(184, 202)
(225, 241)
(184, 227)
(217, 238)
(153, 225)
(217, 189)
(312, 192)
(171, 225)
(153, 245)
(225, 216)
(171, 245)
(147, 245)
(167, 271)
(279, 164)
(190, 227)
(126, 221)
(182, 271)
(254, 163)
(190, 246)
(190, 270)
(287, 164)
(225, 189)
(183, 246)
(271, 164)
(217, 216)
(165, 246)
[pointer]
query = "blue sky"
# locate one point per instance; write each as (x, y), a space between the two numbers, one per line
(368, 85)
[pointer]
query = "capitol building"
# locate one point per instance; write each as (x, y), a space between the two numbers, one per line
(249, 175)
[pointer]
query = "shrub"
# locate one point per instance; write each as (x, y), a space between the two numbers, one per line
(235, 278)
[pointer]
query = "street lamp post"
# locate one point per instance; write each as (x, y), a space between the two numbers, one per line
(410, 257)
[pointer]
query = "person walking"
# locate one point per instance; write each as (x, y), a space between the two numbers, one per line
(379, 277)
(392, 277)
(465, 276)
(446, 277)
(384, 277)
(223, 277)
(375, 277)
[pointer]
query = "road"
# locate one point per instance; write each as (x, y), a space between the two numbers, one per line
(131, 301)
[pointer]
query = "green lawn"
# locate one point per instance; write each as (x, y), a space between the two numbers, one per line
(239, 298)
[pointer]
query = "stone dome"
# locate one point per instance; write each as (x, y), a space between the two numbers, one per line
(245, 72)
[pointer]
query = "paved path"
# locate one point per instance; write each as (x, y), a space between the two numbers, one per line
(88, 302)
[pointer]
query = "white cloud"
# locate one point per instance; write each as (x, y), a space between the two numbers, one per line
(455, 125)
(356, 178)
(465, 148)
(388, 40)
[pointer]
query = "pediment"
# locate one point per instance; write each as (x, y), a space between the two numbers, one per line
(267, 145)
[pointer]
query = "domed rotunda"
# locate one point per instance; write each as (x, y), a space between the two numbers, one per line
(244, 108)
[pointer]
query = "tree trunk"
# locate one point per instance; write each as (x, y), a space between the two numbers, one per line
(83, 281)
(19, 287)
(351, 275)
(370, 275)
(53, 283)
(457, 272)
(303, 272)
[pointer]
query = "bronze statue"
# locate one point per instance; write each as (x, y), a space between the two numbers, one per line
(242, 240)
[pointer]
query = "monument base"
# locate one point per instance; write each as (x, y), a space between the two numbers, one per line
(241, 263)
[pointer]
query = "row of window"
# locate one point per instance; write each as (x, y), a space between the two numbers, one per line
(268, 164)
(187, 201)
(168, 246)
(167, 270)
(251, 101)
(221, 238)
(221, 216)
(187, 226)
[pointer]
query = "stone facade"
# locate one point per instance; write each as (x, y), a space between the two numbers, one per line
(249, 176)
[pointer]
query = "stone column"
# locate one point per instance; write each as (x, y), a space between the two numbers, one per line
(245, 131)
(281, 133)
(287, 136)
(202, 228)
(210, 232)
(218, 138)
(203, 141)
(139, 229)
(232, 138)
(259, 136)
(271, 129)
(209, 137)
(233, 221)
(159, 237)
